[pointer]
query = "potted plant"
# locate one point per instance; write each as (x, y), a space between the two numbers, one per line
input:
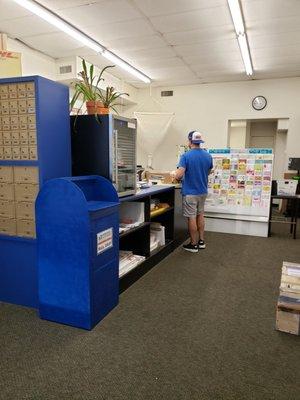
(88, 89)
(109, 99)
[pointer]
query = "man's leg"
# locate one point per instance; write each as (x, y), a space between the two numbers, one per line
(193, 230)
(189, 207)
(201, 225)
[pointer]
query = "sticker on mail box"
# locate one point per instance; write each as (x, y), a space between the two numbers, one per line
(104, 240)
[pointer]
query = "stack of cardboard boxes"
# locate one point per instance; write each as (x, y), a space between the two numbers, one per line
(288, 306)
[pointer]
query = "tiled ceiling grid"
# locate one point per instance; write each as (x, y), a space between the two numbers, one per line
(172, 41)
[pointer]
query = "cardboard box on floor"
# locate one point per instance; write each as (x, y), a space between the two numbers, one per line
(288, 320)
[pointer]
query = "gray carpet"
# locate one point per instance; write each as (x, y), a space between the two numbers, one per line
(197, 326)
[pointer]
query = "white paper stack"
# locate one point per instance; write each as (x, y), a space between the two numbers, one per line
(157, 235)
(128, 261)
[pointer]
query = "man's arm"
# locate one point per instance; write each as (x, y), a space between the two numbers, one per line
(178, 174)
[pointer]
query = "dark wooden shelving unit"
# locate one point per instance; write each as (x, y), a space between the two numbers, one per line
(138, 239)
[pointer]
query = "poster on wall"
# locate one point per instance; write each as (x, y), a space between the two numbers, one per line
(240, 182)
(10, 64)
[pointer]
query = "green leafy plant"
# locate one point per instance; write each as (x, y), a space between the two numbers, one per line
(88, 88)
(110, 97)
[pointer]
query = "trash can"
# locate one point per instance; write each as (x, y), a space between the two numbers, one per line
(77, 222)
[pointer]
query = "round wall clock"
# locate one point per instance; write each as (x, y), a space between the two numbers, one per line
(259, 103)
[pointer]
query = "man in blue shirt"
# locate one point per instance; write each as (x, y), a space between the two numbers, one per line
(193, 168)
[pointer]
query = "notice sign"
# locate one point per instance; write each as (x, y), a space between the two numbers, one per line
(104, 240)
(10, 64)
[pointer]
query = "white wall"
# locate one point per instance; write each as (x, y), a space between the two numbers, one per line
(209, 107)
(33, 62)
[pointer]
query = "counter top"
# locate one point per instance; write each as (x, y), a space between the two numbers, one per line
(147, 192)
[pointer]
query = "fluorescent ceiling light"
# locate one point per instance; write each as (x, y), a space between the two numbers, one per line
(60, 24)
(245, 54)
(237, 18)
(82, 38)
(127, 67)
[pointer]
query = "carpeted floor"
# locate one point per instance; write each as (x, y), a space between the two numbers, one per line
(197, 326)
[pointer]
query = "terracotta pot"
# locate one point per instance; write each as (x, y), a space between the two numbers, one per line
(104, 110)
(94, 107)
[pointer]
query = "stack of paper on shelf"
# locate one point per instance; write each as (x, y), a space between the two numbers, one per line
(128, 261)
(132, 214)
(288, 306)
(157, 235)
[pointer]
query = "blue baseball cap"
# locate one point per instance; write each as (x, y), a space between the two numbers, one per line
(195, 137)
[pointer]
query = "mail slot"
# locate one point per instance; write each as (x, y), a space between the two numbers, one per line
(15, 138)
(16, 153)
(24, 153)
(7, 191)
(25, 228)
(7, 209)
(26, 175)
(25, 192)
(25, 210)
(8, 226)
(6, 174)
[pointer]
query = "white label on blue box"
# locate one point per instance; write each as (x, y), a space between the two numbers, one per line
(104, 240)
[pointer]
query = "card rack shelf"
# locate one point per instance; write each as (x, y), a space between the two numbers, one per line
(34, 147)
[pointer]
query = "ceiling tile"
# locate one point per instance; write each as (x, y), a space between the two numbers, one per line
(169, 83)
(60, 4)
(26, 26)
(119, 30)
(275, 40)
(269, 9)
(199, 19)
(200, 35)
(54, 44)
(139, 43)
(100, 13)
(147, 54)
(171, 72)
(273, 26)
(10, 9)
(160, 62)
(212, 57)
(208, 48)
(165, 7)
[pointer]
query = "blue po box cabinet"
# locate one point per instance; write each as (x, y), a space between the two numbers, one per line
(78, 250)
(34, 147)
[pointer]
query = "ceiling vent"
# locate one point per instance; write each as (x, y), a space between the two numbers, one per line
(65, 69)
(166, 93)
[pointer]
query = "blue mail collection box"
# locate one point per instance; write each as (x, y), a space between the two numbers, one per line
(78, 250)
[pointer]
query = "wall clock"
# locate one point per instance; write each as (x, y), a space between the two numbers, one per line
(259, 103)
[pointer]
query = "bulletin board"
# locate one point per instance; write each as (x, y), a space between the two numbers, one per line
(241, 182)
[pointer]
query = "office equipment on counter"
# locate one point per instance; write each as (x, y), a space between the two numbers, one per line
(158, 176)
(288, 305)
(105, 145)
(78, 250)
(287, 187)
(34, 147)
